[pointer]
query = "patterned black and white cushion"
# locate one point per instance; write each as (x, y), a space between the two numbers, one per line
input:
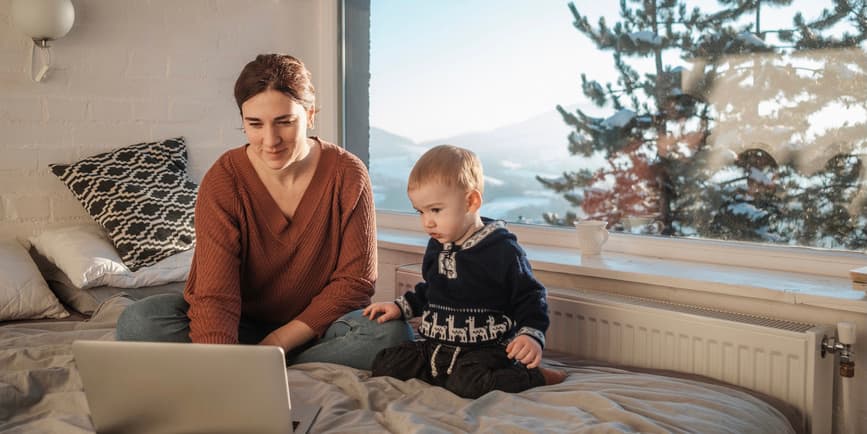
(141, 195)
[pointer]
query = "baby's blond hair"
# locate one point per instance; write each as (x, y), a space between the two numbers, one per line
(449, 165)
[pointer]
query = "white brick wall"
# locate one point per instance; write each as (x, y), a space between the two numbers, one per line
(21, 109)
(132, 71)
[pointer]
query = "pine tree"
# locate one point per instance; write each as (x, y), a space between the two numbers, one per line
(698, 149)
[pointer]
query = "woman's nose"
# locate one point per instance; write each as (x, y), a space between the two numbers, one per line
(271, 137)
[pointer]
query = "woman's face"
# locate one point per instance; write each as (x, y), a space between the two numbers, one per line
(276, 128)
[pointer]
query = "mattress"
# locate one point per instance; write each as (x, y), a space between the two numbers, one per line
(41, 391)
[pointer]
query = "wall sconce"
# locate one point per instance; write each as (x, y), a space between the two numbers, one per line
(43, 21)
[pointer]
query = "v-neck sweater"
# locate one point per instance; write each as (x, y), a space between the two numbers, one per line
(252, 261)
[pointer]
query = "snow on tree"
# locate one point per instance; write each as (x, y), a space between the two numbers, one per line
(725, 144)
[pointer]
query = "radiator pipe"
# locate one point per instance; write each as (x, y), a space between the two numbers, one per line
(842, 345)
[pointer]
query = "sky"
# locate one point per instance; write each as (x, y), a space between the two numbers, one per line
(446, 67)
(503, 61)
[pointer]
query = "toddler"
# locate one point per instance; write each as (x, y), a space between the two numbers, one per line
(483, 314)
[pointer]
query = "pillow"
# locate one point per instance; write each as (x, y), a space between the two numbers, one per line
(141, 195)
(87, 258)
(87, 301)
(23, 292)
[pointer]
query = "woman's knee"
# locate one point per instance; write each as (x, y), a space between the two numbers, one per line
(395, 332)
(354, 340)
(155, 318)
(387, 334)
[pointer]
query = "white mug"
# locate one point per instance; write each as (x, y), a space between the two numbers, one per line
(592, 234)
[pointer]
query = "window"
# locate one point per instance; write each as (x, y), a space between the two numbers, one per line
(743, 123)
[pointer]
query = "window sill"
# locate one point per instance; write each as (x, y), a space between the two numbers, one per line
(788, 287)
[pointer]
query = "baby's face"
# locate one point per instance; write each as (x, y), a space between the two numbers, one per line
(444, 211)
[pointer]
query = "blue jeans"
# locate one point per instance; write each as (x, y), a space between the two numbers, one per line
(352, 340)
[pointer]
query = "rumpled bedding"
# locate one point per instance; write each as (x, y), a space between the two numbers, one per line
(591, 400)
(41, 392)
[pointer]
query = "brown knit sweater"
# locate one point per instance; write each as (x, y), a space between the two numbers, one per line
(254, 262)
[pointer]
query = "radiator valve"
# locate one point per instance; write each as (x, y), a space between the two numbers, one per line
(842, 344)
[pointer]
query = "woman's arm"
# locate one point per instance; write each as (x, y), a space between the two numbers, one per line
(289, 336)
(352, 281)
(213, 286)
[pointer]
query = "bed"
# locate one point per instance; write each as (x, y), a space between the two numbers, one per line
(40, 391)
(72, 282)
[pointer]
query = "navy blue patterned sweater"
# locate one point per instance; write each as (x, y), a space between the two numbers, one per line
(482, 292)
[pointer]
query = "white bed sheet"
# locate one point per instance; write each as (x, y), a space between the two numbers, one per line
(40, 391)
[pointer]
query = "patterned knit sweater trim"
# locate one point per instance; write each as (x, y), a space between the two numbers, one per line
(480, 293)
(254, 262)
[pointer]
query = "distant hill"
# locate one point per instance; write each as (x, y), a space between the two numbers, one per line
(512, 156)
(386, 144)
(546, 131)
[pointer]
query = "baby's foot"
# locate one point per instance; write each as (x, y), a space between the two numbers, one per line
(553, 376)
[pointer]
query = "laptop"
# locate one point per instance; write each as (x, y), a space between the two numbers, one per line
(154, 387)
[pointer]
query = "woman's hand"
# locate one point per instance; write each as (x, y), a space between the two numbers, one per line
(272, 340)
(289, 336)
(382, 311)
(525, 350)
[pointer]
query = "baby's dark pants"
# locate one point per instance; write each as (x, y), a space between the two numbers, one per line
(476, 370)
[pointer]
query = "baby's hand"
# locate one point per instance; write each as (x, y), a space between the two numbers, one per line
(386, 310)
(525, 350)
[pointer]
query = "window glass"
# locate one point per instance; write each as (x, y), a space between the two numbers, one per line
(725, 120)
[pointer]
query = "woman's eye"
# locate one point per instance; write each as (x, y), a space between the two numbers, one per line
(286, 122)
(254, 125)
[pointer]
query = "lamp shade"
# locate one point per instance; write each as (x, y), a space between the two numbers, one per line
(43, 19)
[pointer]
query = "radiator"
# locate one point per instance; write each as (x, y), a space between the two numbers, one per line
(776, 357)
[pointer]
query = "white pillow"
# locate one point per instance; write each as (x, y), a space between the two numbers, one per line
(23, 292)
(87, 257)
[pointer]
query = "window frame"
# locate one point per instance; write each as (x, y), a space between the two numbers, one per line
(354, 80)
(354, 17)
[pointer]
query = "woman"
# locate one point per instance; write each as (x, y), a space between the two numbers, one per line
(285, 238)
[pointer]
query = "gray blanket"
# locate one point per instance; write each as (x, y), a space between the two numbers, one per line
(41, 392)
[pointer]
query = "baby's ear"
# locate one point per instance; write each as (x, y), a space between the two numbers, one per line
(474, 200)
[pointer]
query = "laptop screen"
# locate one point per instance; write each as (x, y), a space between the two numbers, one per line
(134, 387)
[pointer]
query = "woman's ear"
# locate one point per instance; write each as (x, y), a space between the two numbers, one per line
(311, 117)
(474, 200)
